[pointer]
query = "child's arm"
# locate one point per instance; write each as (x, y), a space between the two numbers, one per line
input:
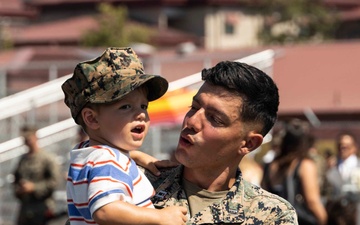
(151, 163)
(120, 212)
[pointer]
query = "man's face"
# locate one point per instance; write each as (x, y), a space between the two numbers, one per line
(30, 140)
(212, 131)
(346, 147)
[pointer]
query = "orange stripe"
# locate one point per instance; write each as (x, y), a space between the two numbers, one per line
(100, 191)
(136, 182)
(101, 163)
(80, 182)
(101, 147)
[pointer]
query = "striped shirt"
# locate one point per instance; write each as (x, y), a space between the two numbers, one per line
(99, 175)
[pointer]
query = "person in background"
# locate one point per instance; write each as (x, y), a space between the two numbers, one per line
(320, 162)
(108, 96)
(251, 170)
(343, 210)
(273, 151)
(36, 177)
(293, 174)
(233, 110)
(339, 177)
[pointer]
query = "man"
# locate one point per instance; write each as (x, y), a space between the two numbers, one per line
(228, 118)
(36, 177)
(341, 177)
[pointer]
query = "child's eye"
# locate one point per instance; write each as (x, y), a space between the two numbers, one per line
(145, 107)
(125, 107)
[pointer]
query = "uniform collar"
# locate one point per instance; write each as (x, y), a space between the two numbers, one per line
(170, 193)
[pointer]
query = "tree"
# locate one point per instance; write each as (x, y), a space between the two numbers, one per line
(115, 29)
(296, 21)
(5, 40)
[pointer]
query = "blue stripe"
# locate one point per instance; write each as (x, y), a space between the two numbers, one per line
(97, 197)
(143, 201)
(133, 170)
(107, 170)
(72, 210)
(76, 212)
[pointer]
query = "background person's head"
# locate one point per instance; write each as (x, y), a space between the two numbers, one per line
(28, 132)
(346, 145)
(296, 142)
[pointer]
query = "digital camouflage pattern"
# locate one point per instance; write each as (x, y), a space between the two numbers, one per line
(108, 78)
(41, 169)
(244, 204)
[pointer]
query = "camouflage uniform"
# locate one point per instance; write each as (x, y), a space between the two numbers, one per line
(244, 204)
(43, 171)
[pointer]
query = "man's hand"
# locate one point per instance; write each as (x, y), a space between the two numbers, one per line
(25, 187)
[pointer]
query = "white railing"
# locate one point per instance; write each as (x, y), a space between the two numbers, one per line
(32, 98)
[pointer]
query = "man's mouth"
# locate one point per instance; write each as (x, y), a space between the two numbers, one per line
(186, 139)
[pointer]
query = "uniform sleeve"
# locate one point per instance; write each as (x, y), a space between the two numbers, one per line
(17, 178)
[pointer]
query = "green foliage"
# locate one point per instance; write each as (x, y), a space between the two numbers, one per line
(296, 21)
(5, 40)
(115, 29)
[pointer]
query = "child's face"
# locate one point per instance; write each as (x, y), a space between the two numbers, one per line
(124, 124)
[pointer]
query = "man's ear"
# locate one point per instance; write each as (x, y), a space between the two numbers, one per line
(252, 142)
(90, 118)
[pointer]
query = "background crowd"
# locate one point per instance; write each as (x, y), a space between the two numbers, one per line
(323, 187)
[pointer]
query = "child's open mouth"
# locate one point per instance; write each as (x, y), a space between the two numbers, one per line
(138, 129)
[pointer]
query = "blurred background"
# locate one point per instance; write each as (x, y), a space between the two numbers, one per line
(311, 48)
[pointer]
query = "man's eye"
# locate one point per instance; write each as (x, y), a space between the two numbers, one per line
(145, 107)
(215, 120)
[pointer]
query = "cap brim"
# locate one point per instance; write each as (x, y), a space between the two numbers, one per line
(157, 87)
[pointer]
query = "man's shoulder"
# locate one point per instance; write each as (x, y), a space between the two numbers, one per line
(255, 194)
(170, 174)
(261, 205)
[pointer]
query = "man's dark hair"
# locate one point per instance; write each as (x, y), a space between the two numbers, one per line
(259, 92)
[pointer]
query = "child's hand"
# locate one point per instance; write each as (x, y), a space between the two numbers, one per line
(165, 163)
(174, 215)
(151, 163)
(153, 167)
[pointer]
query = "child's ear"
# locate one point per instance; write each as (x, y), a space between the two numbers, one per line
(90, 118)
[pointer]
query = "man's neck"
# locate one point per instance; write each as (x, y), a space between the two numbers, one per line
(210, 181)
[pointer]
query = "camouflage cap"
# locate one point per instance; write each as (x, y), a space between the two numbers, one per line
(108, 78)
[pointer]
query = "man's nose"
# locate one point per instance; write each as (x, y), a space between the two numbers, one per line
(194, 120)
